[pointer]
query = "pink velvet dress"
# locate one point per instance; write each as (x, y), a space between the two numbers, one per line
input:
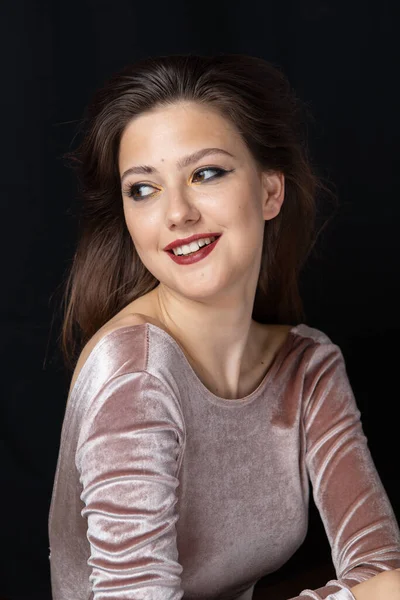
(164, 490)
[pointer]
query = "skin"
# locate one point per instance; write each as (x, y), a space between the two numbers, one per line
(208, 305)
(385, 586)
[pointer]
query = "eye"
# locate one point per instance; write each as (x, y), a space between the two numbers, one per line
(131, 191)
(220, 172)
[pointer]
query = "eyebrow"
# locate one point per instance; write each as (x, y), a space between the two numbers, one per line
(181, 163)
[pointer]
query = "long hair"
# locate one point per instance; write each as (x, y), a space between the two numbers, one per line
(106, 272)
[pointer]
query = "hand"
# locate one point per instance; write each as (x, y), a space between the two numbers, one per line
(385, 586)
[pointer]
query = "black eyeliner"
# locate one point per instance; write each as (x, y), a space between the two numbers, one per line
(127, 190)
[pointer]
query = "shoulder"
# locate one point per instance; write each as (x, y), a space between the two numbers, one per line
(115, 324)
(312, 334)
(304, 339)
(315, 344)
(314, 351)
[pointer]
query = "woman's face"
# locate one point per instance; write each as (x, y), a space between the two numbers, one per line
(219, 191)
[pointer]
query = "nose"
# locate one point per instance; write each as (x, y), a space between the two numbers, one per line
(180, 208)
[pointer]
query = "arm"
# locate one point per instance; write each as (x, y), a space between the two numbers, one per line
(385, 585)
(358, 519)
(127, 456)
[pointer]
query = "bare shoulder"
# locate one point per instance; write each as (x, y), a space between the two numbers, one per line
(281, 331)
(275, 335)
(128, 319)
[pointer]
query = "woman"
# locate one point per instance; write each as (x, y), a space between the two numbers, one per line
(193, 426)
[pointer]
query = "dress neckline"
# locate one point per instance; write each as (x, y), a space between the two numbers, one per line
(273, 367)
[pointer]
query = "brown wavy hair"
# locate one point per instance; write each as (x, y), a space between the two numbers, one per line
(106, 272)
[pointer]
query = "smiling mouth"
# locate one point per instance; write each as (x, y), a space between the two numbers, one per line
(193, 257)
(212, 240)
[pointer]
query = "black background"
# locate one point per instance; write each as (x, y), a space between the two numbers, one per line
(343, 61)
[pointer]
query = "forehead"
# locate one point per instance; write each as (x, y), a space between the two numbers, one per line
(186, 125)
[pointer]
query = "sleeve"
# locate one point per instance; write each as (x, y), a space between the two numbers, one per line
(128, 457)
(355, 510)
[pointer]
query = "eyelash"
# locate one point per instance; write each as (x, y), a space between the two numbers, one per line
(129, 189)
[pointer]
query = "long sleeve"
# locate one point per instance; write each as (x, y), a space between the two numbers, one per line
(128, 456)
(356, 513)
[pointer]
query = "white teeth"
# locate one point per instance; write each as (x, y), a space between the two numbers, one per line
(193, 246)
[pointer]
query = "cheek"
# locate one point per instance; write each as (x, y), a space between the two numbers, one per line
(142, 229)
(132, 220)
(248, 205)
(131, 224)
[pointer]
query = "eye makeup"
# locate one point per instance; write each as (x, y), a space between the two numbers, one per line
(131, 190)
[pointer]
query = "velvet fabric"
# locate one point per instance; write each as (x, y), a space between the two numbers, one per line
(164, 490)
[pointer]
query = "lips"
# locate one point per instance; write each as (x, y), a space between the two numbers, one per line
(211, 237)
(193, 238)
(194, 257)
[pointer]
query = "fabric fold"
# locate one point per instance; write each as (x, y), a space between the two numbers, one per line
(164, 490)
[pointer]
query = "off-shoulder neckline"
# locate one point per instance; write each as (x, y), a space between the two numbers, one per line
(273, 367)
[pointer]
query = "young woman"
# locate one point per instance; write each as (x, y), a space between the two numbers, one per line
(194, 423)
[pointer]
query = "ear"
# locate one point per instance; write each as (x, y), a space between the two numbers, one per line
(273, 193)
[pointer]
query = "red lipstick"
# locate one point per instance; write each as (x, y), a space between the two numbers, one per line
(181, 259)
(192, 238)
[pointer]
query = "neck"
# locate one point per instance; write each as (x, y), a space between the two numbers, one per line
(222, 342)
